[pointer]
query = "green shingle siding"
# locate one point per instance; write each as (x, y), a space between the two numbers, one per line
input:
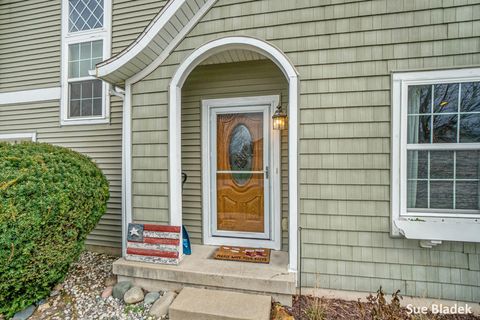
(344, 53)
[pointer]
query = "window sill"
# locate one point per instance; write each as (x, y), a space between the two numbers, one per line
(71, 122)
(445, 229)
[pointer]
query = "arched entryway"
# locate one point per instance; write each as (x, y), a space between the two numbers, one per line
(175, 101)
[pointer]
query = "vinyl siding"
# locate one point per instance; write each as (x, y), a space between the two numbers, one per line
(29, 44)
(30, 38)
(100, 142)
(130, 18)
(344, 53)
(213, 82)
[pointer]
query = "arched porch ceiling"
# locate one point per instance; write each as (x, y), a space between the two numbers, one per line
(156, 42)
(233, 55)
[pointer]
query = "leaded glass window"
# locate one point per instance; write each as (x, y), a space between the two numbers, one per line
(85, 15)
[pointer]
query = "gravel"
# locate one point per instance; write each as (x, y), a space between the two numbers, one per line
(79, 296)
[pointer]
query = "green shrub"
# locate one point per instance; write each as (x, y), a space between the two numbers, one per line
(51, 198)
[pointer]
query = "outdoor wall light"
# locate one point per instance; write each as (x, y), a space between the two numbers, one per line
(280, 119)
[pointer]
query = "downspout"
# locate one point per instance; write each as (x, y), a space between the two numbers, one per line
(118, 92)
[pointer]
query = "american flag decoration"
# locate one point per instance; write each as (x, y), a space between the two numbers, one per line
(153, 243)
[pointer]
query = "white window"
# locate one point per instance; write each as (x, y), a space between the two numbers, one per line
(436, 155)
(85, 42)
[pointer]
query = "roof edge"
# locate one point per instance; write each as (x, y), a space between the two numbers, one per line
(106, 68)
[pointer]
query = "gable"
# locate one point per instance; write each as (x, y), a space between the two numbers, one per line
(156, 42)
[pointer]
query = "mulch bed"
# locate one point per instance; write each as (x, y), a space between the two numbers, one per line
(334, 309)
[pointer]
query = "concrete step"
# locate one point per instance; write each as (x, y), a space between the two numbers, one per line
(204, 304)
(201, 270)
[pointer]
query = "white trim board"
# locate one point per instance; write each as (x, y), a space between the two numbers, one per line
(26, 96)
(108, 67)
(174, 143)
(272, 239)
(126, 164)
(16, 136)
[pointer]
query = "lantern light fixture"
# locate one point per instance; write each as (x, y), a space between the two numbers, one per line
(280, 119)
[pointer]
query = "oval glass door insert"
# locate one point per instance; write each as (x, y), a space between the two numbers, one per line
(240, 152)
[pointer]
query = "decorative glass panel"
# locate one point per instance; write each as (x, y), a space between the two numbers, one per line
(241, 153)
(85, 98)
(85, 15)
(83, 57)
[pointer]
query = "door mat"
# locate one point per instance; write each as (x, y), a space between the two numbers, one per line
(242, 254)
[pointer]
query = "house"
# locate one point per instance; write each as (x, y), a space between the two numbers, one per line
(373, 179)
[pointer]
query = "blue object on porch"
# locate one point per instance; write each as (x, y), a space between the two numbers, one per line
(187, 248)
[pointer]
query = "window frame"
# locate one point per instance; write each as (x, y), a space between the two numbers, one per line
(68, 38)
(437, 224)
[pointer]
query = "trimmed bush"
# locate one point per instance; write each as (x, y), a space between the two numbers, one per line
(51, 198)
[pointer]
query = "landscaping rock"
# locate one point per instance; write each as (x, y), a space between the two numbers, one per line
(111, 281)
(151, 297)
(43, 307)
(54, 293)
(24, 314)
(120, 288)
(40, 302)
(133, 295)
(107, 292)
(160, 307)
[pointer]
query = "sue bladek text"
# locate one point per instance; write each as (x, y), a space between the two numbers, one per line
(440, 309)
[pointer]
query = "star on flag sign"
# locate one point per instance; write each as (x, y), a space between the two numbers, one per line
(153, 243)
(134, 232)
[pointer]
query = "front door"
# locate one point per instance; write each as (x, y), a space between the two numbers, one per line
(240, 172)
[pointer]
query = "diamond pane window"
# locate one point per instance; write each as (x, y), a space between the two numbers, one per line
(85, 15)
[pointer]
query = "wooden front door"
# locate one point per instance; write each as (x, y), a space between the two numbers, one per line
(241, 174)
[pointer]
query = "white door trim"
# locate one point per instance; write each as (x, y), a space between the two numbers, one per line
(272, 237)
(174, 127)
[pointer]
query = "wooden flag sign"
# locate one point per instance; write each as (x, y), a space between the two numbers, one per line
(153, 243)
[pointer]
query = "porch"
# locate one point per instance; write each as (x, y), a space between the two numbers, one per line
(200, 270)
